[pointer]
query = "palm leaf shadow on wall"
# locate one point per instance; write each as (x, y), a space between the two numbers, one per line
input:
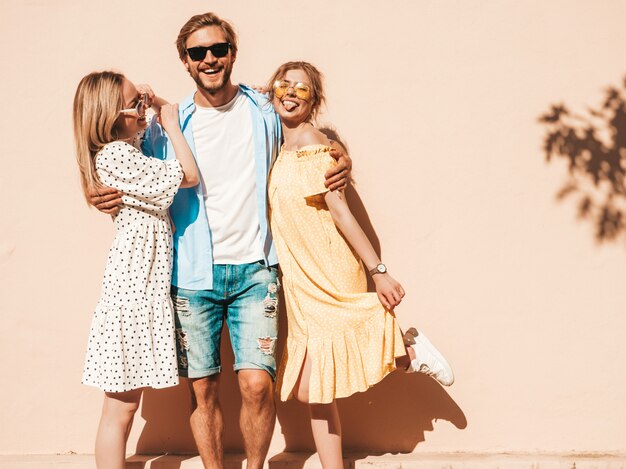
(594, 144)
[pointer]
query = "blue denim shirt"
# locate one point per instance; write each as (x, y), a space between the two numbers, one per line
(193, 249)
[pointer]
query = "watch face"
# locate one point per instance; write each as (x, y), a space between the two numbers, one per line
(381, 268)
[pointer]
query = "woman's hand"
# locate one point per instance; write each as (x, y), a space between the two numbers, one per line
(390, 292)
(169, 117)
(146, 90)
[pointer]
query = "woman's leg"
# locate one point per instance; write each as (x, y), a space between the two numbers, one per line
(327, 434)
(325, 422)
(116, 420)
(404, 362)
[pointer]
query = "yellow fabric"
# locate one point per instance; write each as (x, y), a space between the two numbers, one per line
(351, 339)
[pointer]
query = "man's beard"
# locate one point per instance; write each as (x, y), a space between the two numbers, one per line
(215, 87)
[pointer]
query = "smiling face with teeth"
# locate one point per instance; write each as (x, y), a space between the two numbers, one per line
(291, 109)
(211, 74)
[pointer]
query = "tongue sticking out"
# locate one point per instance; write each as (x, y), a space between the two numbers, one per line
(289, 105)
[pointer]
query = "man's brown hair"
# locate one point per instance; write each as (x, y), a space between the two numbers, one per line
(202, 21)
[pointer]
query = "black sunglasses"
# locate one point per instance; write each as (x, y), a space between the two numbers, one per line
(218, 50)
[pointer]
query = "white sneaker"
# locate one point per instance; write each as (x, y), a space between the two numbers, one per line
(428, 359)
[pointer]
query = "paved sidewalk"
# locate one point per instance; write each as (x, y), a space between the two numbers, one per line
(351, 461)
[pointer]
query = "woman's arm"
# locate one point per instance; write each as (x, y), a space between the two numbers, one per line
(169, 121)
(389, 291)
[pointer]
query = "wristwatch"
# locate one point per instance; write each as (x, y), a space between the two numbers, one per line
(379, 269)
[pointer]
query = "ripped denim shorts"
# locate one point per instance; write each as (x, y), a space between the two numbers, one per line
(246, 297)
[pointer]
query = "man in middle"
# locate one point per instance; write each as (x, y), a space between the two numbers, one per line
(225, 266)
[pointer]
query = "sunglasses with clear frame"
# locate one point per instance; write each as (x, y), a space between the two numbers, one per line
(140, 108)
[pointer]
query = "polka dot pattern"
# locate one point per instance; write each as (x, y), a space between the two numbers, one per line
(131, 342)
(351, 339)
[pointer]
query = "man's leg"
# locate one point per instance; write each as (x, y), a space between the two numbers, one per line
(199, 320)
(253, 326)
(207, 422)
(258, 414)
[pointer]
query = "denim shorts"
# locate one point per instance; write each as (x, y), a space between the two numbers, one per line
(246, 297)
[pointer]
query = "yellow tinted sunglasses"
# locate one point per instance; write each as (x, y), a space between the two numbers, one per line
(301, 90)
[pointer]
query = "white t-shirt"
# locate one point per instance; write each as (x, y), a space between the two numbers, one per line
(225, 154)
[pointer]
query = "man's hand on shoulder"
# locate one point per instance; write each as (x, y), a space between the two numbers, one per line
(337, 178)
(106, 199)
(259, 88)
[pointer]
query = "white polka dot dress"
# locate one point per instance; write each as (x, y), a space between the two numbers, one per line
(131, 342)
(350, 337)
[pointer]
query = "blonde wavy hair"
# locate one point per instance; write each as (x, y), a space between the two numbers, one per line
(97, 103)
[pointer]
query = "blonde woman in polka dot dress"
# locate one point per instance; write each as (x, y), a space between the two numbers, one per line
(131, 343)
(341, 339)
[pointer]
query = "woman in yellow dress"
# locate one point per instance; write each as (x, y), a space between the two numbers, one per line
(341, 339)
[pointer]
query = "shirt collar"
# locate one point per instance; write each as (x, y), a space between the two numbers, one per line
(187, 106)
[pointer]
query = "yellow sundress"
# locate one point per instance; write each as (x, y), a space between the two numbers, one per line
(351, 339)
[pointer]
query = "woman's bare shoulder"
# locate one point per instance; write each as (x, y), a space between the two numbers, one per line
(311, 136)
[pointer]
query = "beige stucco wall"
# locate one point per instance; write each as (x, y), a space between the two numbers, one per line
(438, 102)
